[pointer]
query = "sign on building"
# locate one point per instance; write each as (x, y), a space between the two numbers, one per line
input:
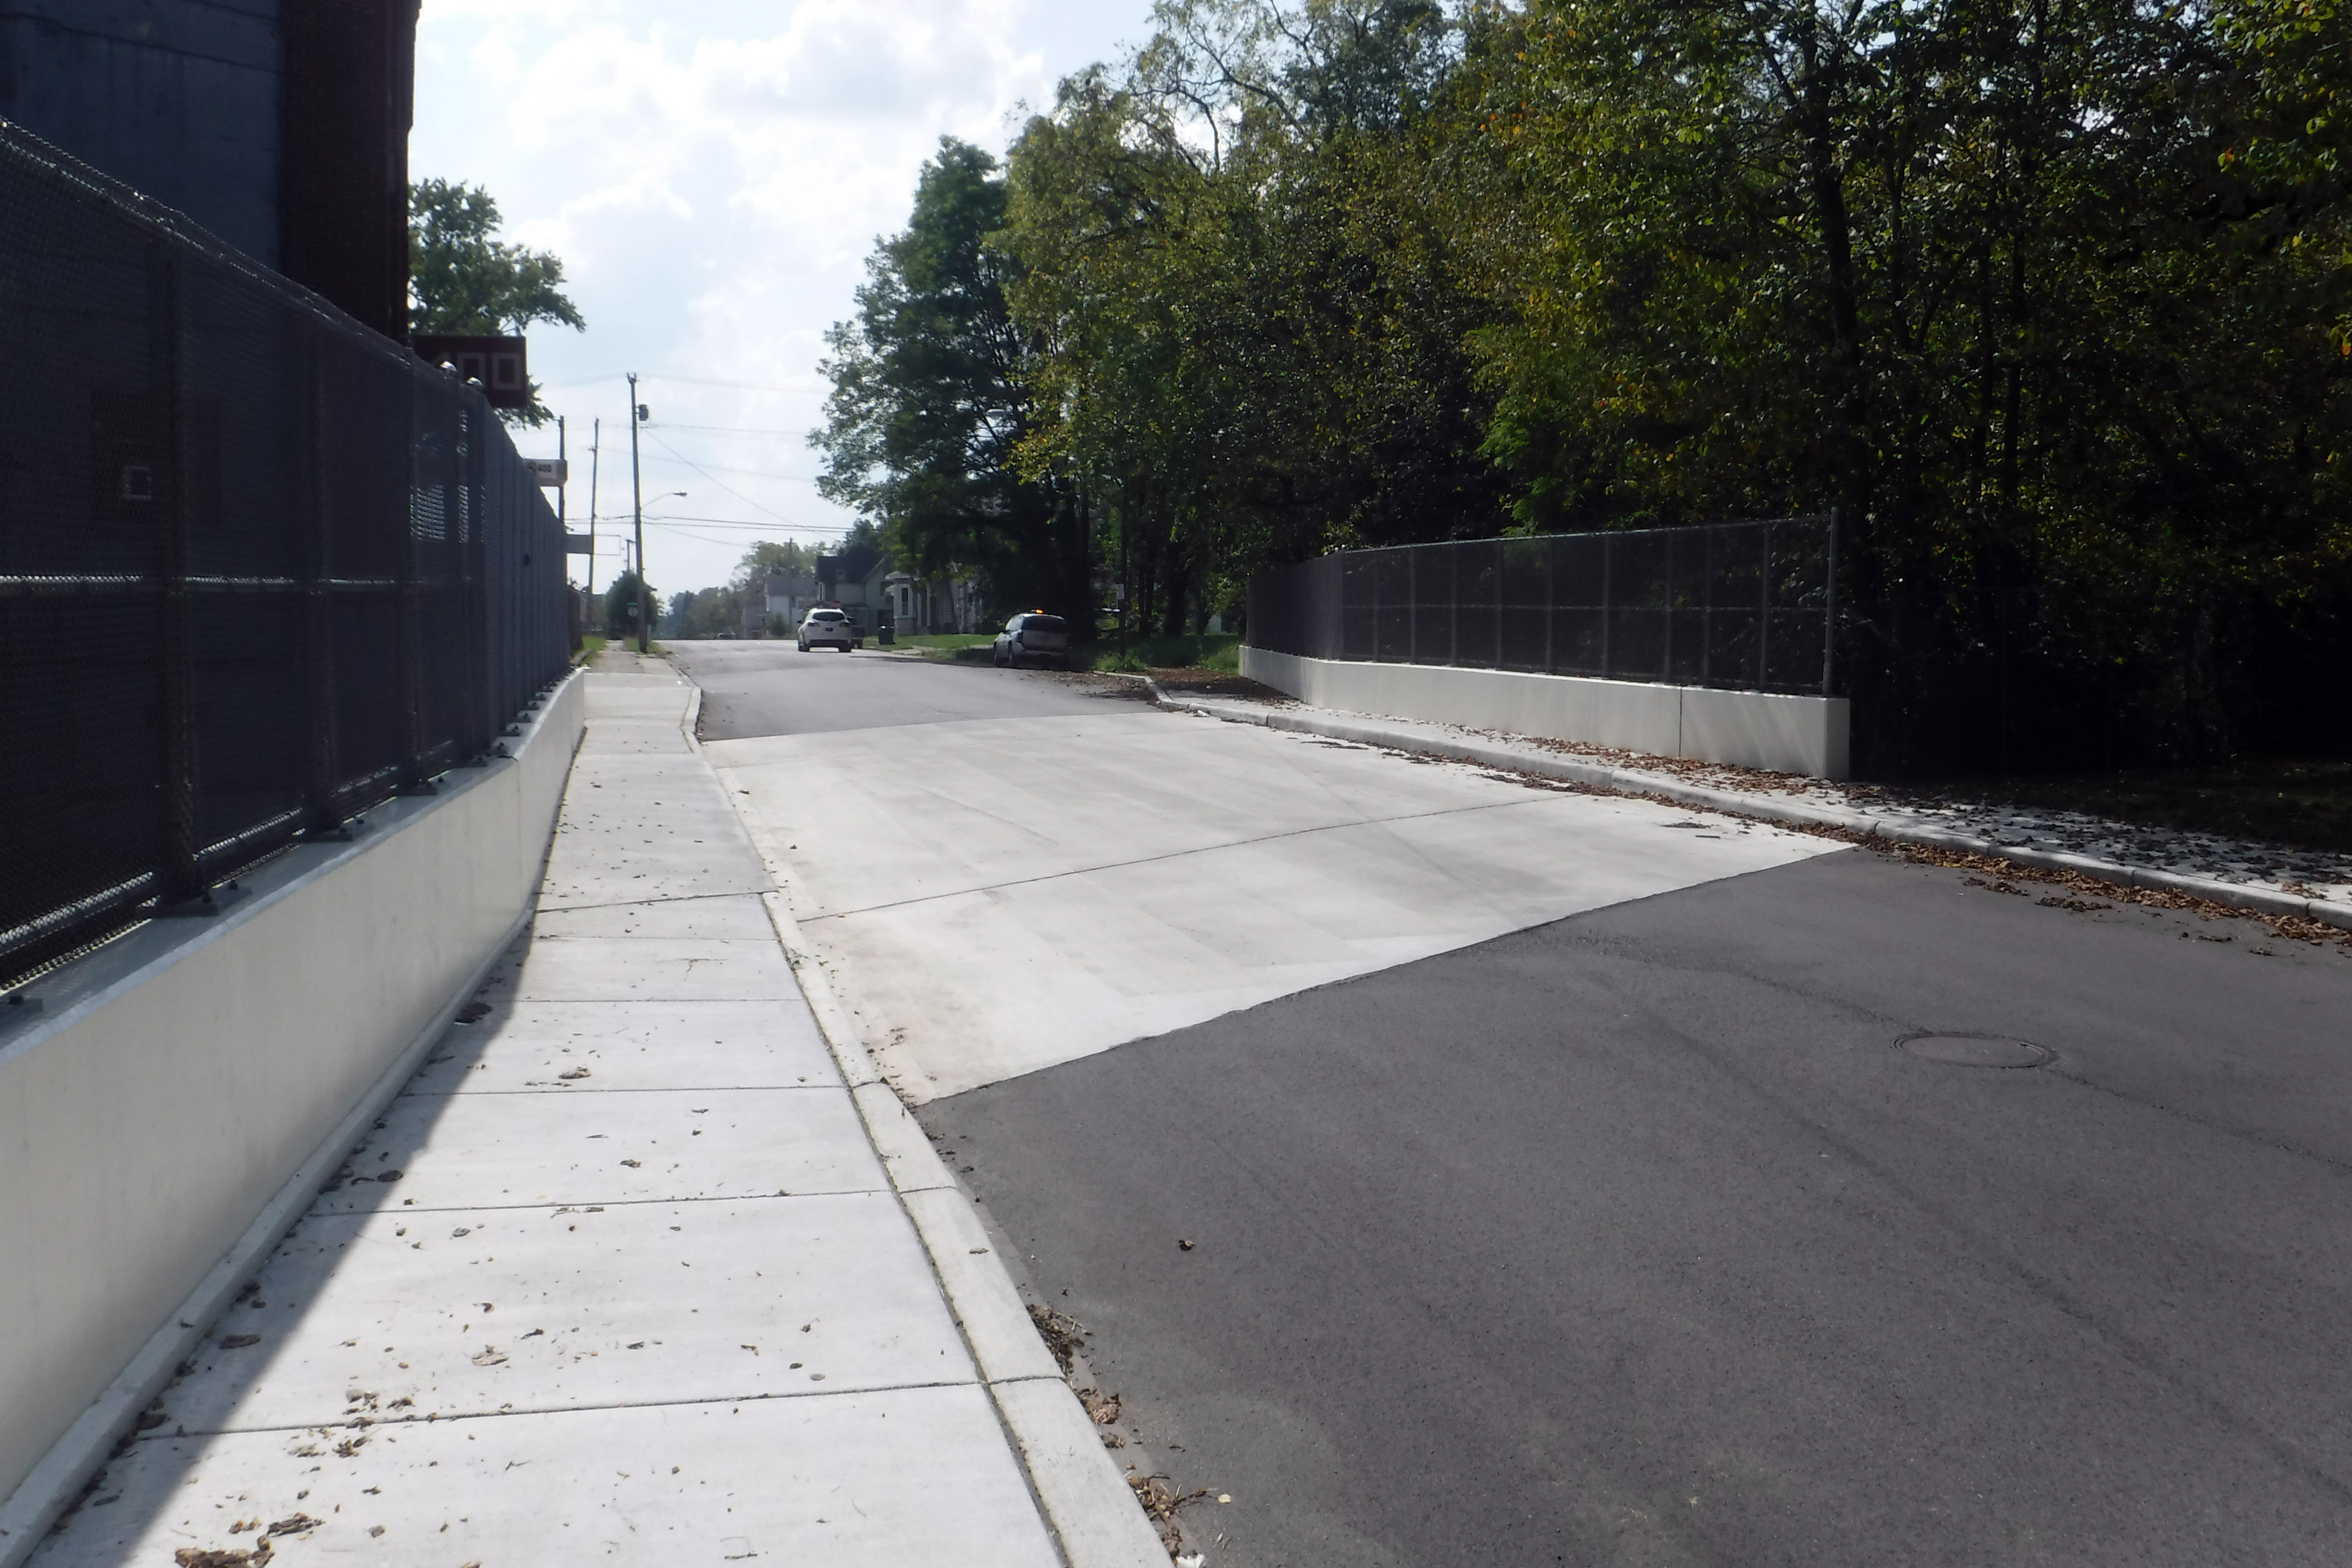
(499, 363)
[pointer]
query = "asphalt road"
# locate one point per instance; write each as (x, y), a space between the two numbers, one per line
(764, 688)
(1634, 1238)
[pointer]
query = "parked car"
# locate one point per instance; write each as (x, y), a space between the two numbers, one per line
(828, 629)
(1035, 638)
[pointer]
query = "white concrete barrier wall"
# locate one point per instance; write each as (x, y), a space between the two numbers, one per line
(180, 1087)
(1750, 728)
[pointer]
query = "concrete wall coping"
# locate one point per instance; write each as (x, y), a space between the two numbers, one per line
(81, 985)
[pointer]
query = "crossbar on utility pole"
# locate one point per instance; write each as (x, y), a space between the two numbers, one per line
(638, 505)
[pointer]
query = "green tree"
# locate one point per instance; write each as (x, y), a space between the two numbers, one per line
(620, 605)
(2050, 301)
(929, 404)
(463, 281)
(767, 559)
(1977, 273)
(1250, 342)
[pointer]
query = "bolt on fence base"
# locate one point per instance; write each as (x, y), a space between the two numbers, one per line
(209, 902)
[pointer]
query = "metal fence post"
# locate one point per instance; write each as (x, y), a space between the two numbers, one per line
(1666, 659)
(1608, 603)
(1413, 607)
(408, 634)
(1764, 614)
(1705, 615)
(1501, 556)
(1829, 607)
(180, 877)
(472, 521)
(1551, 605)
(320, 816)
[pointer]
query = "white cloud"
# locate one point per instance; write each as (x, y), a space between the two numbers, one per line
(713, 175)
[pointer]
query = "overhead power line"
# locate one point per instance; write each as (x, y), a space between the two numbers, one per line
(755, 527)
(737, 429)
(685, 380)
(730, 468)
(715, 479)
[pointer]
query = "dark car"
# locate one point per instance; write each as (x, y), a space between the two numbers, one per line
(1034, 637)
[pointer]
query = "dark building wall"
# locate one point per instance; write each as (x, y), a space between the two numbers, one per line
(178, 99)
(350, 69)
(282, 128)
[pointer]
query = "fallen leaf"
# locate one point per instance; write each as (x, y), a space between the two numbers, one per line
(197, 1557)
(238, 1341)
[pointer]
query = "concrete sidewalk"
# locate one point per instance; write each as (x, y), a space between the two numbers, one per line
(621, 1274)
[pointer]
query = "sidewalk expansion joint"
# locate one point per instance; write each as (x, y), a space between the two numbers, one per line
(664, 898)
(604, 1203)
(584, 1089)
(377, 1423)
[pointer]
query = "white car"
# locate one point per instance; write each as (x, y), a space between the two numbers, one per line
(825, 627)
(1033, 639)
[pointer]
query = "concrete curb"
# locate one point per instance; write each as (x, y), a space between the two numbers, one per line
(1089, 1507)
(1370, 731)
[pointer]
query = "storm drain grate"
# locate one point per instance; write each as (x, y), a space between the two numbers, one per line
(1977, 1050)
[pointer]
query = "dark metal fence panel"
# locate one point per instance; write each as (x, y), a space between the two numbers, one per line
(1735, 605)
(259, 567)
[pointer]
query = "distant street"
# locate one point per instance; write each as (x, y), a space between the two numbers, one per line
(774, 689)
(1555, 1187)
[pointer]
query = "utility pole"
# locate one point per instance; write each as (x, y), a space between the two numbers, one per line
(637, 503)
(561, 467)
(596, 440)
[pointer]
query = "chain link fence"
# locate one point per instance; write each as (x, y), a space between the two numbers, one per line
(260, 568)
(1736, 606)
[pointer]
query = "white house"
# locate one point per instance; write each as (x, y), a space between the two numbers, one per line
(790, 597)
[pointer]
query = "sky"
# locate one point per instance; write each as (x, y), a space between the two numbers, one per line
(713, 175)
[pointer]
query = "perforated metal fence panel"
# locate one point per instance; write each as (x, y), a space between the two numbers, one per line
(260, 568)
(1734, 605)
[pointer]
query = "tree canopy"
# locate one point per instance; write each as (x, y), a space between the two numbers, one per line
(2049, 300)
(931, 401)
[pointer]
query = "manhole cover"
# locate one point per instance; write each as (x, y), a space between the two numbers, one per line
(1977, 1050)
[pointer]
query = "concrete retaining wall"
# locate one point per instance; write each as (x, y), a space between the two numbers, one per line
(1750, 729)
(179, 1094)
